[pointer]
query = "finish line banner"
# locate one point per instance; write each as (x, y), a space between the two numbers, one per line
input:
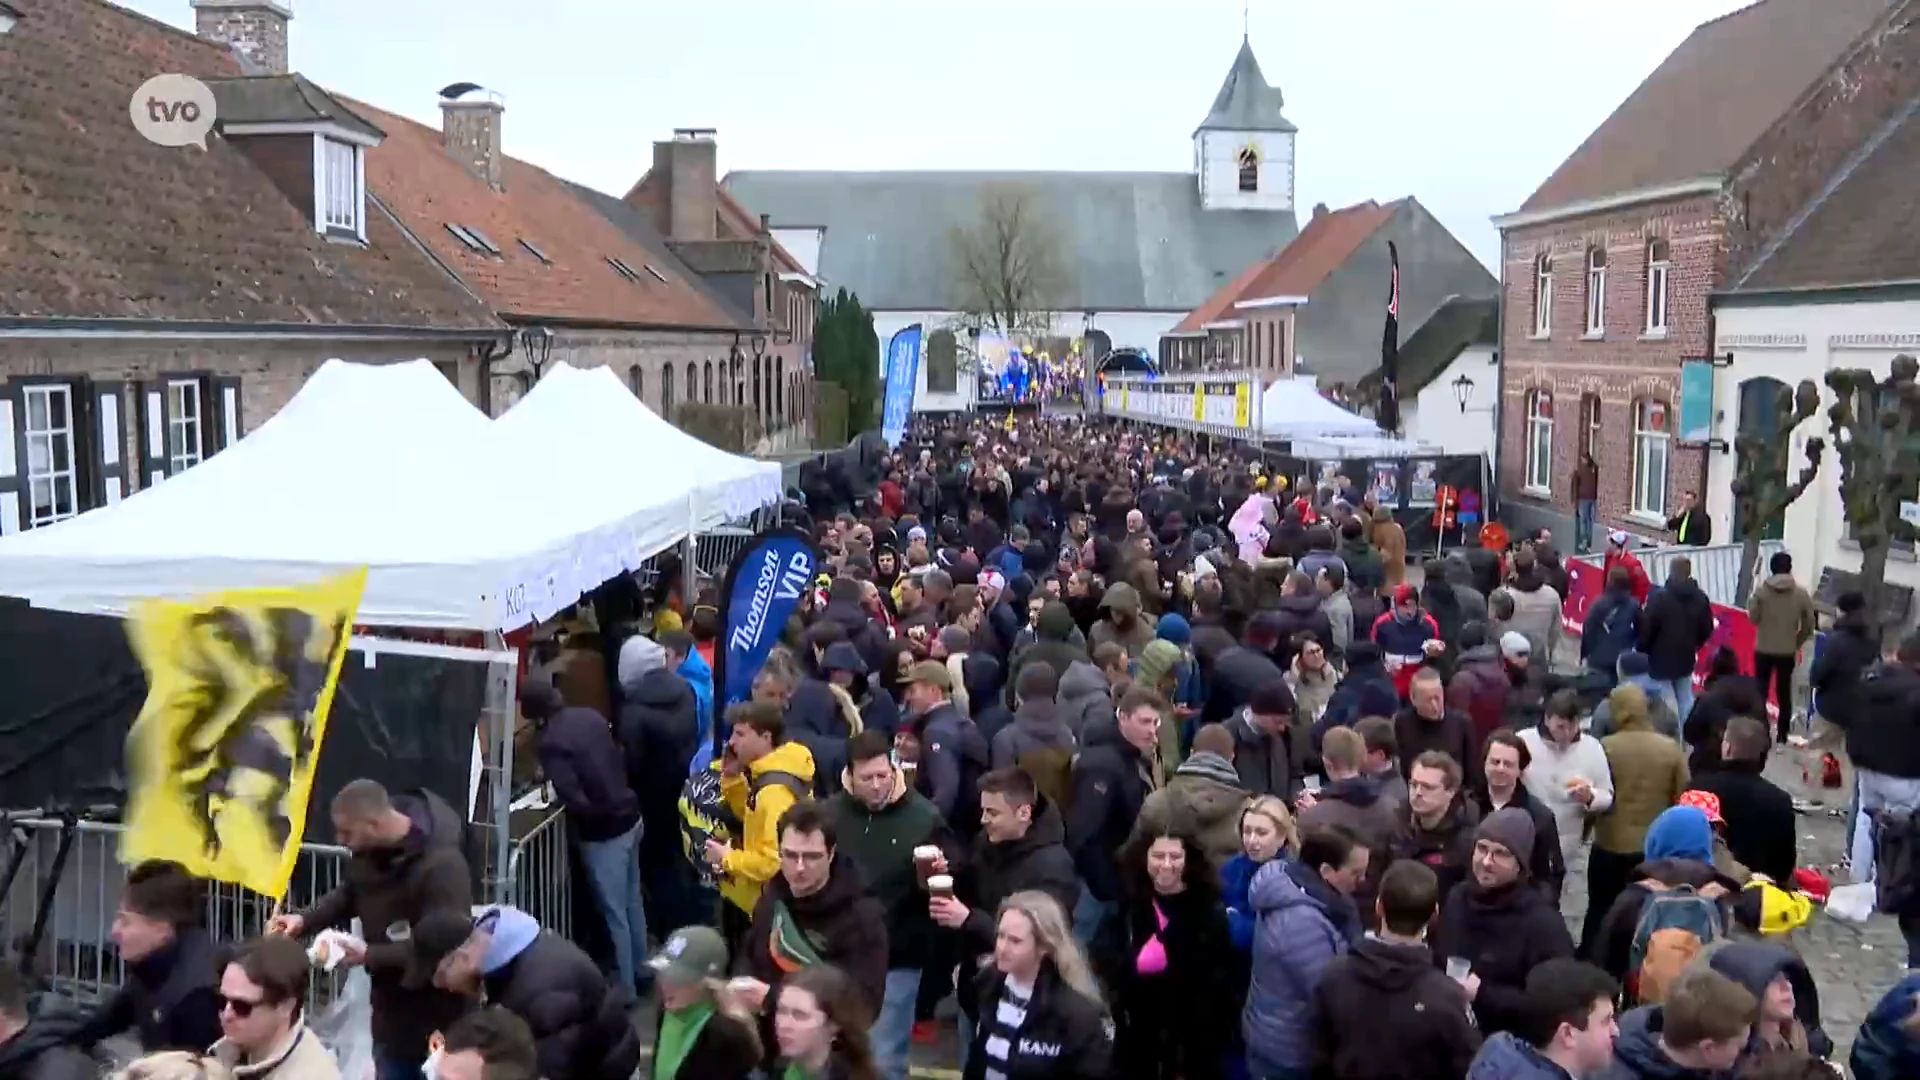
(221, 758)
(764, 587)
(903, 376)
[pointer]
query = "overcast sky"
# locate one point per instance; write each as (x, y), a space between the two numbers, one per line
(1465, 104)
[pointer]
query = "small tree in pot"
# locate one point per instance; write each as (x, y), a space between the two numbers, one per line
(1760, 486)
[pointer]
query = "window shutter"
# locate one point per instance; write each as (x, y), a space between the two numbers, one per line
(109, 443)
(226, 395)
(13, 462)
(153, 433)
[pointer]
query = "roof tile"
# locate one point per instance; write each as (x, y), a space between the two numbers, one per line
(97, 222)
(1711, 99)
(1320, 249)
(429, 190)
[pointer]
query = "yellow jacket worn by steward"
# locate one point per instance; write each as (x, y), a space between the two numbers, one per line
(757, 799)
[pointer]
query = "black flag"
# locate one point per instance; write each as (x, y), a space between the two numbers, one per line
(1388, 413)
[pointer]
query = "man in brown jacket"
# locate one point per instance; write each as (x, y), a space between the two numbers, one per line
(1391, 541)
(1782, 614)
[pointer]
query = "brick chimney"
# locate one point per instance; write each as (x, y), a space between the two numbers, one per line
(257, 29)
(470, 130)
(688, 166)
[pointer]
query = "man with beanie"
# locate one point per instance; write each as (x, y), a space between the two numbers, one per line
(1269, 745)
(1408, 638)
(1782, 614)
(1158, 669)
(1499, 923)
(588, 772)
(1039, 740)
(1053, 646)
(660, 735)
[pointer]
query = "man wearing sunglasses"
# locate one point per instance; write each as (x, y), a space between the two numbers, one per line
(263, 996)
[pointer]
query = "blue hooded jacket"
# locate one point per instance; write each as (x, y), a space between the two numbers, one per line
(699, 678)
(1297, 937)
(1680, 832)
(1882, 1051)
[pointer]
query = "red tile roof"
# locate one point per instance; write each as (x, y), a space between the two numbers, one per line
(98, 223)
(732, 221)
(1327, 242)
(1711, 99)
(413, 174)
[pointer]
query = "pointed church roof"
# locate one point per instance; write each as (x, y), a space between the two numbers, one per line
(1245, 101)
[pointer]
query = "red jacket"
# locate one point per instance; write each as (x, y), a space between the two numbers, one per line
(1638, 582)
(1401, 642)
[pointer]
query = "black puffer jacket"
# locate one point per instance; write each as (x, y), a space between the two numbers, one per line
(1109, 786)
(1037, 861)
(172, 998)
(659, 732)
(1849, 653)
(1504, 933)
(389, 890)
(1675, 624)
(579, 1021)
(1885, 737)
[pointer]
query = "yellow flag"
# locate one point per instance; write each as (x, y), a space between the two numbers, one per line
(222, 756)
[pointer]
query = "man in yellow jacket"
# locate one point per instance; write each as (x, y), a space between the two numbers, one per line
(762, 776)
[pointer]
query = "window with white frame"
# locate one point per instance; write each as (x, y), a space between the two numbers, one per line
(53, 479)
(1543, 295)
(1596, 292)
(1651, 444)
(1659, 270)
(183, 425)
(1539, 440)
(340, 182)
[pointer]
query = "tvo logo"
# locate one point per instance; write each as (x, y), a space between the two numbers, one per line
(173, 110)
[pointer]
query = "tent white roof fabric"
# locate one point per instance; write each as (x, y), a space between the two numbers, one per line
(1293, 409)
(462, 522)
(1355, 446)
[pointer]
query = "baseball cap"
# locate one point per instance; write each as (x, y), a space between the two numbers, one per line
(1618, 538)
(993, 579)
(1514, 645)
(1704, 801)
(930, 672)
(436, 934)
(692, 954)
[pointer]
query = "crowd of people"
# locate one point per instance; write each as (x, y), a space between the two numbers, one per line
(1153, 763)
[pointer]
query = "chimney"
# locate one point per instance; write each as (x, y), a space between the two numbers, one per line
(1320, 210)
(766, 224)
(256, 29)
(688, 166)
(470, 131)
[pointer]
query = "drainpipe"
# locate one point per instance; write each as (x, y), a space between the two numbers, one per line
(488, 353)
(1491, 497)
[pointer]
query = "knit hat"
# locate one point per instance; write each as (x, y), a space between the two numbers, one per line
(842, 656)
(1174, 628)
(1511, 828)
(638, 656)
(1631, 663)
(1680, 832)
(1405, 594)
(1514, 645)
(1271, 698)
(1036, 682)
(1156, 662)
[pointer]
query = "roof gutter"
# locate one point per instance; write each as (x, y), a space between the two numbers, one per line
(1701, 185)
(529, 318)
(1269, 302)
(1817, 294)
(57, 327)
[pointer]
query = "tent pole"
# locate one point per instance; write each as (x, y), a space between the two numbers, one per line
(500, 709)
(689, 569)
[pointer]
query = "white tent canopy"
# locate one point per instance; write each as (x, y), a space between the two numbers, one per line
(1293, 409)
(463, 522)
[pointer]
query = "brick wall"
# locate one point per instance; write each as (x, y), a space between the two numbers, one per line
(1622, 366)
(1794, 162)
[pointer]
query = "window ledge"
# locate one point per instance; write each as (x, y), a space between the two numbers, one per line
(1893, 554)
(1654, 335)
(1540, 337)
(1537, 492)
(1652, 520)
(1594, 335)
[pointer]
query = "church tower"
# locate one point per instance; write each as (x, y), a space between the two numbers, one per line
(1243, 150)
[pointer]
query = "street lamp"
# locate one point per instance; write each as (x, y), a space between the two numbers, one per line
(537, 343)
(1463, 390)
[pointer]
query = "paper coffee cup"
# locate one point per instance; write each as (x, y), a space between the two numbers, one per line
(940, 885)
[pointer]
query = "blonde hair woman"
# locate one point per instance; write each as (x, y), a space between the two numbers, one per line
(1038, 993)
(1267, 832)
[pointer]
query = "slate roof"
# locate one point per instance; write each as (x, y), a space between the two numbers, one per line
(98, 223)
(1859, 231)
(1320, 249)
(1245, 101)
(412, 172)
(1134, 241)
(1454, 326)
(1712, 98)
(284, 99)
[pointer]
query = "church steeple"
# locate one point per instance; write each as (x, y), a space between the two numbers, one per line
(1245, 101)
(1243, 150)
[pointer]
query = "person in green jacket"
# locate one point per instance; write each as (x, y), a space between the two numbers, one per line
(704, 1033)
(1782, 615)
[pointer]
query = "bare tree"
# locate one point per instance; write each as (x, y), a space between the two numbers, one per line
(1009, 271)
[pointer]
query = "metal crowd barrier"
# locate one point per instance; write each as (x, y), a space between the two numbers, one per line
(57, 913)
(541, 871)
(1716, 567)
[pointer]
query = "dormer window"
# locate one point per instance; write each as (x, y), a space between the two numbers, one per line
(340, 188)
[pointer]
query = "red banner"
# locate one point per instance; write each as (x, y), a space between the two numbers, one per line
(1731, 626)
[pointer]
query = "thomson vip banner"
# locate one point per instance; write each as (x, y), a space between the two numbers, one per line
(903, 373)
(764, 586)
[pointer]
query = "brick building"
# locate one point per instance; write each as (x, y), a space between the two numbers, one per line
(156, 302)
(1608, 268)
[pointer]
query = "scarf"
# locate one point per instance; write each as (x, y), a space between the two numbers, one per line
(679, 1030)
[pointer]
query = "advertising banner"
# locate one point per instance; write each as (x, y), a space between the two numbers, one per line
(1731, 626)
(903, 375)
(222, 755)
(764, 585)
